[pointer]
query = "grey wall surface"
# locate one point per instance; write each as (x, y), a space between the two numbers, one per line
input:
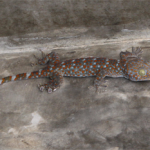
(31, 16)
(74, 117)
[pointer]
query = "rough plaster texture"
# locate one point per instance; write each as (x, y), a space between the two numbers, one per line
(73, 117)
(33, 16)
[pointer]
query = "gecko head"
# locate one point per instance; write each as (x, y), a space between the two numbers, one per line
(138, 70)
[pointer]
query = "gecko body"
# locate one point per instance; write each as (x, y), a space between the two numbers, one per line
(130, 66)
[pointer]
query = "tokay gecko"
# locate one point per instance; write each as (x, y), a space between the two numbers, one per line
(130, 66)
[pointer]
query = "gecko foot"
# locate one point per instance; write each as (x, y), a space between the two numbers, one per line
(102, 84)
(38, 59)
(41, 87)
(43, 54)
(50, 90)
(136, 52)
(34, 64)
(46, 87)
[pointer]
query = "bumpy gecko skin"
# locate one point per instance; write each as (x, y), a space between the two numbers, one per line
(130, 66)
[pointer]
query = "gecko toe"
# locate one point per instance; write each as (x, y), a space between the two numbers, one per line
(33, 64)
(41, 87)
(49, 90)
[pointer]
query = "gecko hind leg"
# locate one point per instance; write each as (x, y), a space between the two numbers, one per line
(99, 81)
(50, 59)
(55, 82)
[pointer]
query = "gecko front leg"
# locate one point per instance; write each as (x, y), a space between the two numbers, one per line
(136, 53)
(55, 82)
(99, 81)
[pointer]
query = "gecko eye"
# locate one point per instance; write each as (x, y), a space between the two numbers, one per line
(142, 72)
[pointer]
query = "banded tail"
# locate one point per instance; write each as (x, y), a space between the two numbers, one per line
(32, 75)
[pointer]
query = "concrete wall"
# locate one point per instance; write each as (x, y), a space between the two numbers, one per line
(74, 117)
(32, 16)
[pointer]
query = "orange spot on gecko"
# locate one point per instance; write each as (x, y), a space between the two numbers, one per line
(10, 78)
(3, 80)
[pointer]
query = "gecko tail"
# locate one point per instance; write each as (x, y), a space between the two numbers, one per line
(22, 76)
